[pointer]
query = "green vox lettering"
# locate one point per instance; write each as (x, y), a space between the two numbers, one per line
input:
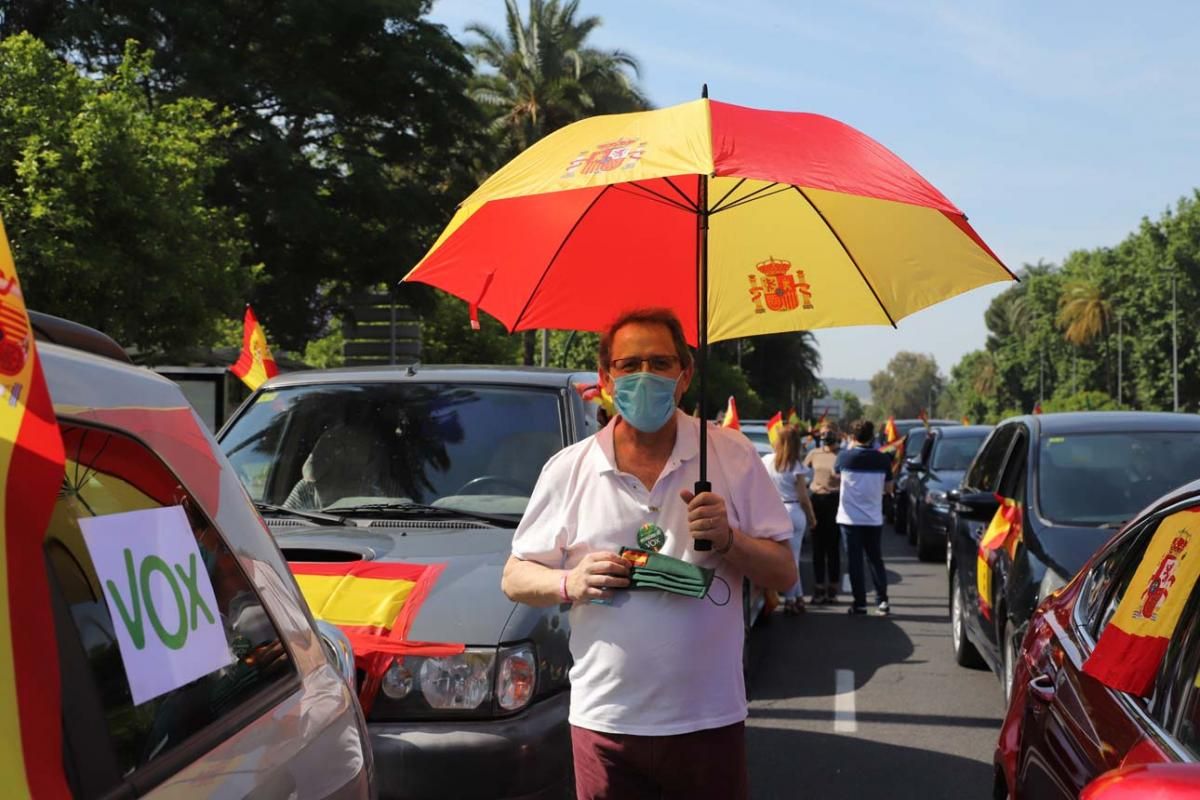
(189, 580)
(129, 605)
(176, 640)
(133, 622)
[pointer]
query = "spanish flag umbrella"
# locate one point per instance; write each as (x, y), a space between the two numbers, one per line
(742, 221)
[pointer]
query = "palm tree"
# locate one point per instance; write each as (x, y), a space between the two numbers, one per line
(1084, 314)
(542, 76)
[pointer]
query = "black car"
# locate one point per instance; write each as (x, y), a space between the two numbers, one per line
(1077, 478)
(932, 472)
(913, 433)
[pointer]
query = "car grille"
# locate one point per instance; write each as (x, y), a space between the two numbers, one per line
(427, 523)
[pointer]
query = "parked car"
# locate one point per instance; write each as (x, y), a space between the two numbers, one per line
(281, 719)
(452, 455)
(756, 431)
(1064, 728)
(1078, 477)
(913, 433)
(932, 472)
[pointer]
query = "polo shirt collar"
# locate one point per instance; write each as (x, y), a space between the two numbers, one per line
(687, 444)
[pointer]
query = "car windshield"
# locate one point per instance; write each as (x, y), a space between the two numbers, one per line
(757, 435)
(955, 453)
(1092, 479)
(337, 446)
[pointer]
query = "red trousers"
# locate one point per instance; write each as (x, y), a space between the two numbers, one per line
(689, 766)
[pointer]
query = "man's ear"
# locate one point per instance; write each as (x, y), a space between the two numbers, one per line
(685, 380)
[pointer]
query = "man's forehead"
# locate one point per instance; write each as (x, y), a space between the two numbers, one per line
(641, 333)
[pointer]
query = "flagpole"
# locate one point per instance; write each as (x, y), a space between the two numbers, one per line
(703, 484)
(1174, 349)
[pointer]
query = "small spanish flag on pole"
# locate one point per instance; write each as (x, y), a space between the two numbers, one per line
(31, 472)
(1004, 527)
(1132, 646)
(891, 436)
(965, 420)
(256, 364)
(774, 426)
(731, 416)
(924, 417)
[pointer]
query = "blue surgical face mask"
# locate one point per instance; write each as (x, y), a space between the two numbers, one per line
(645, 400)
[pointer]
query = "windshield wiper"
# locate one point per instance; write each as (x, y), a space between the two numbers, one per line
(423, 508)
(315, 516)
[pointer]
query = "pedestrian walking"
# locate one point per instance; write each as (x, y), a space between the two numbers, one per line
(826, 493)
(658, 702)
(787, 471)
(866, 475)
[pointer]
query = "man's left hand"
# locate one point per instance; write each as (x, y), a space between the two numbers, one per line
(707, 518)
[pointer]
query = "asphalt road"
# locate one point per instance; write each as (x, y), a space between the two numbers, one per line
(870, 707)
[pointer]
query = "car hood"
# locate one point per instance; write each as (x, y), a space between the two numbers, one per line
(465, 605)
(1067, 548)
(943, 480)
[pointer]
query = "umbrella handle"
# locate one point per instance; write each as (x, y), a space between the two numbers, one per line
(702, 486)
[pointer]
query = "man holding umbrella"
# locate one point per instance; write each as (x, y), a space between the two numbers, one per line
(657, 696)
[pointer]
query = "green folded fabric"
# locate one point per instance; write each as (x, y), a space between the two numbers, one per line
(667, 574)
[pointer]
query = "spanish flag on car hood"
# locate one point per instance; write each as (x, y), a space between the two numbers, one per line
(374, 603)
(256, 364)
(1004, 530)
(1133, 644)
(31, 471)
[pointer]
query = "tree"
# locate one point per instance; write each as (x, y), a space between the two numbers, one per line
(447, 338)
(540, 75)
(776, 365)
(905, 386)
(104, 195)
(353, 133)
(852, 407)
(1083, 313)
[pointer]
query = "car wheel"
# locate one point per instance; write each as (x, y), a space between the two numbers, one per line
(965, 654)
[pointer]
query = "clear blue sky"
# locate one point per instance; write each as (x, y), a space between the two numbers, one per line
(1053, 126)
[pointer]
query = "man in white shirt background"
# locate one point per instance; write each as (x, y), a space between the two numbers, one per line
(866, 474)
(658, 701)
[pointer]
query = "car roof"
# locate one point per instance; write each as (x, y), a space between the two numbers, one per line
(82, 380)
(419, 373)
(955, 431)
(1067, 422)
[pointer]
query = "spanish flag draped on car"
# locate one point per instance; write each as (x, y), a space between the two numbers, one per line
(31, 471)
(255, 364)
(1132, 646)
(1003, 531)
(374, 603)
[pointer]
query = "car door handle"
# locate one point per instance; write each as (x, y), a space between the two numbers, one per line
(1042, 688)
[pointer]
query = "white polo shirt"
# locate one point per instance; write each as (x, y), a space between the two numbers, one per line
(652, 663)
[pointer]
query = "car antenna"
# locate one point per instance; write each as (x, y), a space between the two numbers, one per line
(412, 369)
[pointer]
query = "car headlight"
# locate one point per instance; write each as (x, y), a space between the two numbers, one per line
(460, 682)
(936, 498)
(398, 681)
(516, 678)
(1052, 581)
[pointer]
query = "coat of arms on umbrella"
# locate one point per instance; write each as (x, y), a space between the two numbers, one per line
(779, 290)
(607, 157)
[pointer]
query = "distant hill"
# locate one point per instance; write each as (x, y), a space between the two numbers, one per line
(859, 388)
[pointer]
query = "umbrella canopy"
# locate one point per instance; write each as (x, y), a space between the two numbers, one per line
(796, 222)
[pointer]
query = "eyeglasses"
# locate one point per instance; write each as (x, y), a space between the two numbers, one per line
(624, 366)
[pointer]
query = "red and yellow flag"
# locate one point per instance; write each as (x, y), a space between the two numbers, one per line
(1133, 644)
(595, 393)
(256, 363)
(31, 471)
(891, 436)
(1003, 531)
(965, 421)
(774, 426)
(923, 415)
(1037, 407)
(731, 416)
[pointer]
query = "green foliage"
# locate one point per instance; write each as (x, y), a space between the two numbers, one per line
(354, 135)
(1089, 400)
(105, 197)
(1057, 333)
(775, 366)
(328, 350)
(852, 407)
(905, 386)
(725, 380)
(574, 349)
(447, 337)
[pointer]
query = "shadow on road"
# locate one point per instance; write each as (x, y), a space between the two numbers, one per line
(833, 767)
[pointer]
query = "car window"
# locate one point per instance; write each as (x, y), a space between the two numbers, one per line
(1108, 581)
(984, 475)
(916, 439)
(329, 446)
(1186, 684)
(1093, 479)
(955, 453)
(108, 473)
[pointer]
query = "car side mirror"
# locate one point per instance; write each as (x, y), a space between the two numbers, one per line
(914, 464)
(976, 505)
(1144, 780)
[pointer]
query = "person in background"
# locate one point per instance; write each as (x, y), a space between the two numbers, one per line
(866, 476)
(791, 481)
(825, 491)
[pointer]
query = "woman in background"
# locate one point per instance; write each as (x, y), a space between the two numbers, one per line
(791, 481)
(826, 492)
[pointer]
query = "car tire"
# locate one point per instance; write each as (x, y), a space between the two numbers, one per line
(926, 550)
(965, 654)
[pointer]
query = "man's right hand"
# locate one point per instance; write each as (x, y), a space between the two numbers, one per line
(592, 578)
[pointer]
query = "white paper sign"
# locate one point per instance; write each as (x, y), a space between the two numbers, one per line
(160, 597)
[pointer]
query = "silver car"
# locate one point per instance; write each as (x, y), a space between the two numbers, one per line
(280, 719)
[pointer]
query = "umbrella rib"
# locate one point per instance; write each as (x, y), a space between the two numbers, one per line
(849, 255)
(690, 204)
(724, 197)
(661, 197)
(757, 194)
(557, 252)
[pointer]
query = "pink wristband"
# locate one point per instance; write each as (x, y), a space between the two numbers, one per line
(562, 589)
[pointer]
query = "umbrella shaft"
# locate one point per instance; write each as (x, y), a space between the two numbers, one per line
(702, 352)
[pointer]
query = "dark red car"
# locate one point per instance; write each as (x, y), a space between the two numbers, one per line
(1064, 728)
